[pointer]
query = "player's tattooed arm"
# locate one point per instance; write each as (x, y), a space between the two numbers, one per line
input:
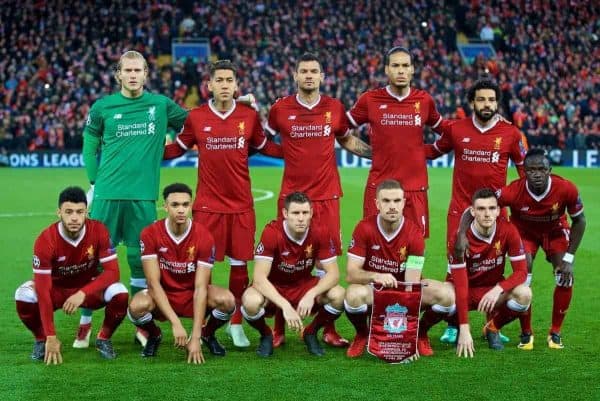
(355, 145)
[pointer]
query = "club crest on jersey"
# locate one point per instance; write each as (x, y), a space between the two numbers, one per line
(498, 248)
(151, 113)
(555, 207)
(90, 252)
(327, 117)
(417, 107)
(241, 128)
(395, 321)
(36, 262)
(402, 253)
(309, 251)
(497, 143)
(191, 253)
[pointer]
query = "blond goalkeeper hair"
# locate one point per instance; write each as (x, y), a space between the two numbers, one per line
(130, 54)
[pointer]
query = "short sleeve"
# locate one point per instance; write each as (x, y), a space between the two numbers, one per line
(358, 243)
(148, 244)
(359, 113)
(267, 245)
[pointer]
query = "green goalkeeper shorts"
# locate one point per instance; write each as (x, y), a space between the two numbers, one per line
(125, 219)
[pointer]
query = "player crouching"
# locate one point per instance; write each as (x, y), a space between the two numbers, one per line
(177, 257)
(66, 261)
(386, 249)
(284, 259)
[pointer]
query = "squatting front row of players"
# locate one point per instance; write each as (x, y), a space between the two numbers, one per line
(178, 255)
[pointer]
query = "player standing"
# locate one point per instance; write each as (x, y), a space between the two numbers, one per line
(288, 251)
(538, 203)
(309, 123)
(483, 145)
(385, 249)
(396, 115)
(178, 256)
(129, 127)
(66, 260)
(223, 131)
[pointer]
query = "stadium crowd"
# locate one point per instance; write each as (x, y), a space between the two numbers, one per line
(57, 58)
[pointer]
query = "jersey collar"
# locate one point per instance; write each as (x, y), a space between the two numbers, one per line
(483, 129)
(222, 116)
(74, 242)
(480, 237)
(389, 237)
(398, 98)
(306, 105)
(543, 195)
(287, 234)
(179, 240)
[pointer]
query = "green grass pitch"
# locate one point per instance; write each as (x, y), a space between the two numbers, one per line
(28, 200)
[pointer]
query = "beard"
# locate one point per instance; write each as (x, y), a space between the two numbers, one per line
(485, 115)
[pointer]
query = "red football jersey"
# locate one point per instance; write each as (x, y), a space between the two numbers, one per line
(293, 261)
(484, 262)
(383, 253)
(222, 140)
(73, 263)
(480, 157)
(178, 258)
(308, 141)
(396, 134)
(542, 213)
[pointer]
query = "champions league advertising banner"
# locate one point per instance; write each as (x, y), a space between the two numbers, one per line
(566, 158)
(395, 323)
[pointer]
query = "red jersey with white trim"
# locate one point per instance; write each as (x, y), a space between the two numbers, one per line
(178, 258)
(480, 157)
(543, 213)
(292, 260)
(74, 263)
(222, 140)
(396, 134)
(386, 253)
(308, 141)
(484, 261)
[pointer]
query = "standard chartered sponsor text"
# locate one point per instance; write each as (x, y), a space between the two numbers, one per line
(221, 143)
(134, 129)
(306, 131)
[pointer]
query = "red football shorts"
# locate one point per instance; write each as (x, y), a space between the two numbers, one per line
(182, 303)
(416, 208)
(475, 295)
(293, 294)
(326, 215)
(233, 233)
(92, 301)
(553, 242)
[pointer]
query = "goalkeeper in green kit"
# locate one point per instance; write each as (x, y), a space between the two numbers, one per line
(129, 127)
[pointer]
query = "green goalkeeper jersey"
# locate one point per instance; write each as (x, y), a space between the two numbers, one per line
(132, 134)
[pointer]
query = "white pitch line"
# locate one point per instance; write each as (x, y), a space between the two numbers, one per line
(264, 195)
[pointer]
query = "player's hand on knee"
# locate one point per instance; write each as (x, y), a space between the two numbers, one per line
(194, 350)
(488, 301)
(179, 335)
(73, 302)
(52, 355)
(564, 275)
(305, 305)
(464, 345)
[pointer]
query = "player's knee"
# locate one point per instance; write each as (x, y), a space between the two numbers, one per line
(522, 294)
(115, 289)
(26, 293)
(356, 295)
(224, 301)
(336, 295)
(140, 304)
(252, 301)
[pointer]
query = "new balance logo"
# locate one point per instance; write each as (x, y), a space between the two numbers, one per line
(477, 256)
(162, 249)
(285, 253)
(466, 140)
(376, 247)
(118, 116)
(207, 129)
(383, 106)
(61, 259)
(524, 208)
(291, 117)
